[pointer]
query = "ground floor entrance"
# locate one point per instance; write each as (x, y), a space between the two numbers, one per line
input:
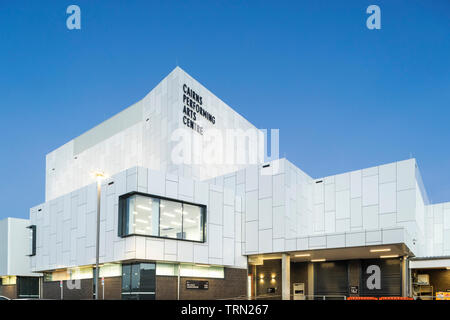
(430, 278)
(146, 280)
(338, 273)
(331, 280)
(19, 287)
(138, 281)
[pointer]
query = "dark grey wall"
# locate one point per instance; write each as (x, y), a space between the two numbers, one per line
(354, 275)
(267, 269)
(299, 274)
(9, 291)
(52, 290)
(233, 285)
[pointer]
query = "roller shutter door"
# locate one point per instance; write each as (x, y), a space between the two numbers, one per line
(331, 278)
(390, 278)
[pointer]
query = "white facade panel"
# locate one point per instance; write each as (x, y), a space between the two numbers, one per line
(250, 209)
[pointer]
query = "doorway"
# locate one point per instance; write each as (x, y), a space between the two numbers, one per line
(138, 281)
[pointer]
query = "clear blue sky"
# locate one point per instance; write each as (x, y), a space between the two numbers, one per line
(344, 97)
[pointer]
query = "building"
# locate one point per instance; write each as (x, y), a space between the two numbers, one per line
(181, 219)
(17, 280)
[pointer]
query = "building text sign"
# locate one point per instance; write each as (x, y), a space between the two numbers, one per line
(197, 284)
(193, 109)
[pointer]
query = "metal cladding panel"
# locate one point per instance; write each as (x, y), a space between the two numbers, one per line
(390, 278)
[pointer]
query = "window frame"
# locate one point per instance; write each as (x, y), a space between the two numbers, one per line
(123, 219)
(33, 230)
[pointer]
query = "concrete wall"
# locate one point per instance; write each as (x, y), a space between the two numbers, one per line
(66, 232)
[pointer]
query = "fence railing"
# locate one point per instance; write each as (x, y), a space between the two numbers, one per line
(292, 297)
(335, 297)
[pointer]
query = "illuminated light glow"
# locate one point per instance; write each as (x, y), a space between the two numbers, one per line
(175, 223)
(167, 214)
(177, 210)
(99, 175)
(141, 220)
(389, 256)
(318, 260)
(380, 250)
(303, 255)
(144, 208)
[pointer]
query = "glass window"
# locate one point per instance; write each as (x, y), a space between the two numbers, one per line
(32, 231)
(138, 281)
(81, 273)
(171, 220)
(148, 279)
(143, 215)
(126, 278)
(135, 277)
(150, 216)
(110, 270)
(166, 269)
(192, 222)
(8, 280)
(198, 271)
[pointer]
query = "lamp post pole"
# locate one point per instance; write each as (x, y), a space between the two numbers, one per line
(97, 253)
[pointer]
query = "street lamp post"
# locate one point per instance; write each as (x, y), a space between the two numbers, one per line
(99, 177)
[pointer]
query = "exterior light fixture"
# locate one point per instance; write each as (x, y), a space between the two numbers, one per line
(380, 250)
(318, 260)
(99, 175)
(303, 255)
(390, 256)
